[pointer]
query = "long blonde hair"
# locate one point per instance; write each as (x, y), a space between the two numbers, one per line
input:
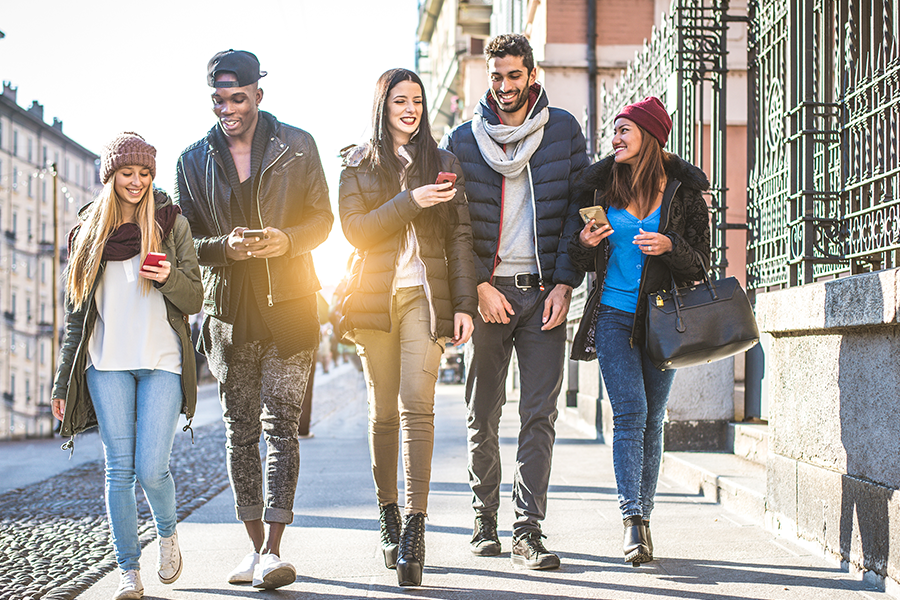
(104, 216)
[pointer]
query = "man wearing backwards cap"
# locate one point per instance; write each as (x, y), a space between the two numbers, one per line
(254, 192)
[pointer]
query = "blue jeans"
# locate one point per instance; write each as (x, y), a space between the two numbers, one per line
(638, 392)
(138, 413)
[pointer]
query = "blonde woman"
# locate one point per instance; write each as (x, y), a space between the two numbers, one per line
(127, 364)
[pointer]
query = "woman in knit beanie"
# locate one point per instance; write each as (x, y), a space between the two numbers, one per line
(658, 230)
(126, 363)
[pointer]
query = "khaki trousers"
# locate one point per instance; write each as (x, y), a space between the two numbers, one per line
(401, 369)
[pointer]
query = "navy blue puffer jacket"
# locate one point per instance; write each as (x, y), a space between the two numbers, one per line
(554, 166)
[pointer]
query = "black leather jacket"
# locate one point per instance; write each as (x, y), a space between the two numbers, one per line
(293, 197)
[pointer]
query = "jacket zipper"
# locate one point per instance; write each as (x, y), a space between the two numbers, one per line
(432, 318)
(500, 232)
(537, 256)
(262, 225)
(210, 199)
(644, 270)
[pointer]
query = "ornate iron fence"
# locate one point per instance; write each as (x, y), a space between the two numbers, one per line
(823, 132)
(684, 65)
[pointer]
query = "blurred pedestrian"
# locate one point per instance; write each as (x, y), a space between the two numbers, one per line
(126, 363)
(412, 289)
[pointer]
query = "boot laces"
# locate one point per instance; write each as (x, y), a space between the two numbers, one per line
(390, 524)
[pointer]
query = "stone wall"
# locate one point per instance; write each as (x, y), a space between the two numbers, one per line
(833, 377)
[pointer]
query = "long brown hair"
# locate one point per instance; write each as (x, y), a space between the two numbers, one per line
(103, 217)
(640, 184)
(425, 154)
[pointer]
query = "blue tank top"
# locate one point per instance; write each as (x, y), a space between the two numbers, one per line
(626, 261)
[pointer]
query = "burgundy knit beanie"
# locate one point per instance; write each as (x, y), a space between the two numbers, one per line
(127, 148)
(650, 114)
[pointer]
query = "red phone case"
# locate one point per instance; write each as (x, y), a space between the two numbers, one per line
(152, 259)
(445, 176)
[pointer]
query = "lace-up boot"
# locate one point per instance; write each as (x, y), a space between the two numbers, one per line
(411, 554)
(528, 552)
(485, 541)
(389, 519)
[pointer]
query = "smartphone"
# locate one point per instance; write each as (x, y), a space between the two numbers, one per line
(250, 233)
(445, 176)
(596, 213)
(152, 259)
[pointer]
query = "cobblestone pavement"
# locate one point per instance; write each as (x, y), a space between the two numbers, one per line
(54, 535)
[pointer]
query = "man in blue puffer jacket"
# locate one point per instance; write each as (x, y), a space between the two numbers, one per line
(519, 157)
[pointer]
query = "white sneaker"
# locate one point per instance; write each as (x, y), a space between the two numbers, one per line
(243, 573)
(168, 563)
(272, 572)
(130, 586)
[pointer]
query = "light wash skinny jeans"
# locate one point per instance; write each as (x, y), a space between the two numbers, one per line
(638, 392)
(138, 413)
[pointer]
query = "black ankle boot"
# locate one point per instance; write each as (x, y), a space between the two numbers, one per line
(390, 533)
(648, 540)
(635, 545)
(411, 556)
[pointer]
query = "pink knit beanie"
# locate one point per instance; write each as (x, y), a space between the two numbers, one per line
(127, 148)
(650, 114)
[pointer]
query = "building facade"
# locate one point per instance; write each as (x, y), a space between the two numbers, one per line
(33, 233)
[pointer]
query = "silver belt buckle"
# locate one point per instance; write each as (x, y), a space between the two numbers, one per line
(522, 286)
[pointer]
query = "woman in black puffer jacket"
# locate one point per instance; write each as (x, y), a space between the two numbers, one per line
(658, 230)
(412, 286)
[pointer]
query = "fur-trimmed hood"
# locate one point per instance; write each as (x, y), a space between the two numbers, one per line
(598, 175)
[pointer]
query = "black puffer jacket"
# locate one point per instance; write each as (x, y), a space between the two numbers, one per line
(293, 197)
(375, 225)
(554, 165)
(684, 217)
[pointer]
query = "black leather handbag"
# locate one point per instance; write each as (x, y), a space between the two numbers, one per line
(699, 324)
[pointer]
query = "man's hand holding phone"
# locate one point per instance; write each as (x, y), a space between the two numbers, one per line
(155, 267)
(244, 243)
(443, 190)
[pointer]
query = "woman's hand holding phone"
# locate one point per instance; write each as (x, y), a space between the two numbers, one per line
(156, 268)
(442, 191)
(592, 235)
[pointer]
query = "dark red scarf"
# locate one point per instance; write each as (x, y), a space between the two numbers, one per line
(125, 241)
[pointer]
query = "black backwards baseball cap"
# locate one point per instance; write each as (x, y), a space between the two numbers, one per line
(243, 64)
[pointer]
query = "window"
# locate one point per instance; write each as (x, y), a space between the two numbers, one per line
(44, 156)
(15, 143)
(15, 222)
(31, 187)
(12, 384)
(28, 356)
(1, 133)
(28, 381)
(12, 303)
(28, 308)
(67, 169)
(12, 346)
(28, 227)
(43, 361)
(43, 312)
(43, 272)
(44, 191)
(30, 150)
(15, 177)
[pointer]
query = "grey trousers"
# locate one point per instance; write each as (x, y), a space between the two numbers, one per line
(540, 355)
(262, 394)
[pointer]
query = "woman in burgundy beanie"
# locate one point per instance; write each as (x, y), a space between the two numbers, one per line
(658, 230)
(127, 363)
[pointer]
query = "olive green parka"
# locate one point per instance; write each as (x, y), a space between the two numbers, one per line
(183, 294)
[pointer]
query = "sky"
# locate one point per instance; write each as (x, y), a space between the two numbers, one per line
(105, 66)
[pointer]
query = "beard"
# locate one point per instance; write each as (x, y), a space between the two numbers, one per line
(516, 105)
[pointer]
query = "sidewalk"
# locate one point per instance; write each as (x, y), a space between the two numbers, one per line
(703, 552)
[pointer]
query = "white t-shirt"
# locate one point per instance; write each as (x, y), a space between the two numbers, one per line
(132, 329)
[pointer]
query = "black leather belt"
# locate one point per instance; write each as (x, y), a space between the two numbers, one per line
(523, 281)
